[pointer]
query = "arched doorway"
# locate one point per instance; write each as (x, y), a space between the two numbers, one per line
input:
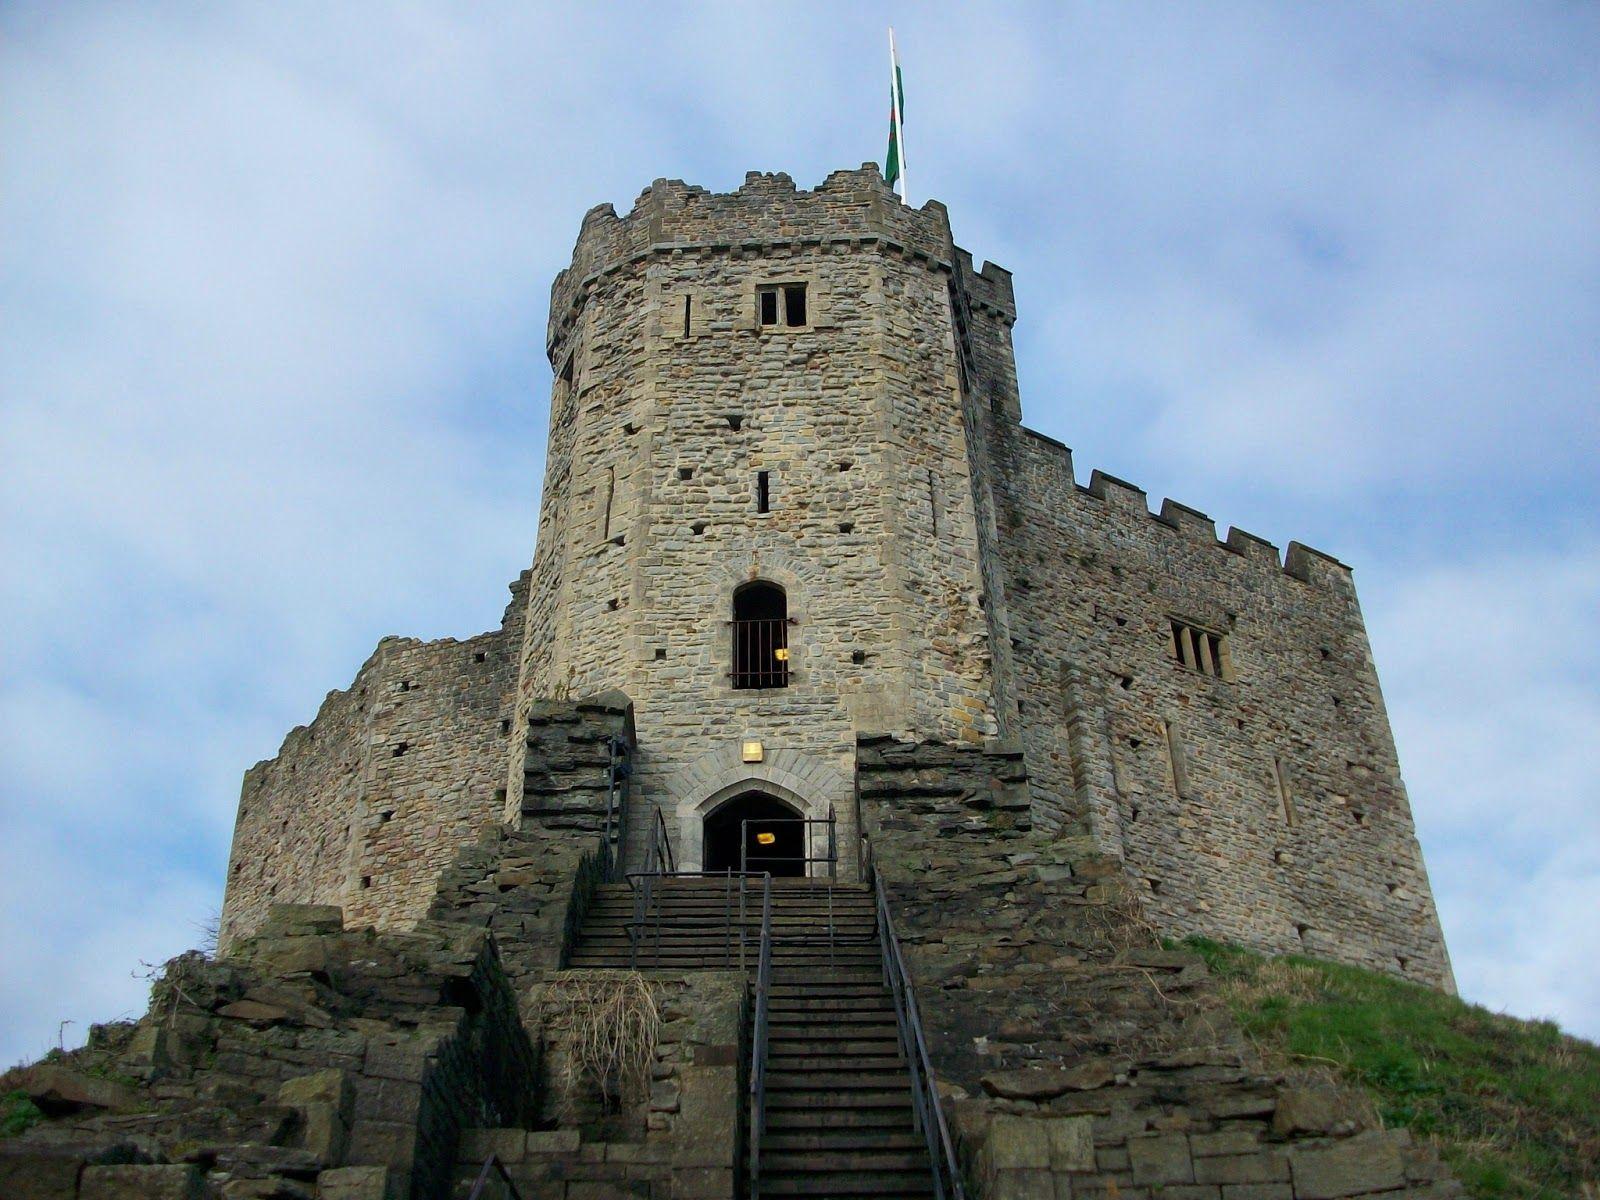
(773, 836)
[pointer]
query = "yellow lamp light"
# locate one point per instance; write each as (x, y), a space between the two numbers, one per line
(766, 839)
(781, 654)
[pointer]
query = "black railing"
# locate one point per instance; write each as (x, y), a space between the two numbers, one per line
(617, 771)
(758, 1040)
(644, 931)
(755, 861)
(761, 653)
(493, 1166)
(925, 1105)
(658, 862)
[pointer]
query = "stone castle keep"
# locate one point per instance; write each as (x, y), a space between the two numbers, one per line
(812, 396)
(839, 725)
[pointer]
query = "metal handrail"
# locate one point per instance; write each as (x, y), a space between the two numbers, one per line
(617, 771)
(925, 1106)
(493, 1163)
(658, 861)
(758, 1039)
(647, 909)
(831, 858)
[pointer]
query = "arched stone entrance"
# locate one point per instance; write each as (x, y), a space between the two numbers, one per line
(695, 812)
(755, 831)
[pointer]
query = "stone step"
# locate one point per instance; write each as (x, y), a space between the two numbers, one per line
(844, 1138)
(838, 1185)
(717, 917)
(776, 1162)
(829, 1008)
(854, 1100)
(830, 1039)
(846, 1083)
(847, 1058)
(817, 1120)
(784, 958)
(679, 936)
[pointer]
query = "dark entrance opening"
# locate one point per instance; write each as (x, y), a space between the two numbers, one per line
(774, 838)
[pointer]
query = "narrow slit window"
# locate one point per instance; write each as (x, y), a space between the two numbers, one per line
(767, 306)
(1285, 796)
(688, 308)
(763, 491)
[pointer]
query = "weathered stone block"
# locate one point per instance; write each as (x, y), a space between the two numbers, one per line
(147, 1182)
(1044, 1083)
(1309, 1110)
(1161, 1158)
(1071, 1143)
(58, 1089)
(1369, 1162)
(552, 1141)
(1263, 1166)
(357, 1183)
(1016, 1143)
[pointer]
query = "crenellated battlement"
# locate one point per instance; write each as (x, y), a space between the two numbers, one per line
(767, 215)
(1299, 561)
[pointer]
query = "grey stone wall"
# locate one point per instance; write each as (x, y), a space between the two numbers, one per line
(364, 807)
(649, 519)
(1176, 771)
(1080, 1058)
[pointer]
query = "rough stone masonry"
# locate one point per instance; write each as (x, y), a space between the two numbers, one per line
(816, 390)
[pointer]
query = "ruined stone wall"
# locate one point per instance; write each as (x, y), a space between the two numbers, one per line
(1079, 1056)
(1177, 771)
(366, 805)
(314, 1060)
(674, 399)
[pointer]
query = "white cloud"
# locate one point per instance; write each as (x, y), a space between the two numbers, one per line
(1489, 668)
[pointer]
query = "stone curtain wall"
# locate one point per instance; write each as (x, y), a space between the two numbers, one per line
(365, 806)
(1175, 771)
(649, 517)
(1081, 1058)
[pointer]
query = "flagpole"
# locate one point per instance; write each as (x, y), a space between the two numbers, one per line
(894, 107)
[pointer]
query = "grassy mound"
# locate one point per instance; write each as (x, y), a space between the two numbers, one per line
(1514, 1105)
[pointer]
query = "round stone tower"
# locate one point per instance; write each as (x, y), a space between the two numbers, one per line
(758, 517)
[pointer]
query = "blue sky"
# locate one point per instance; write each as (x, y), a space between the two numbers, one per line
(274, 282)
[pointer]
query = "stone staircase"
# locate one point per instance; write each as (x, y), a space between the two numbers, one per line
(839, 1117)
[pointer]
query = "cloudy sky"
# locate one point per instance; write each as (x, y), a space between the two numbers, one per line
(274, 282)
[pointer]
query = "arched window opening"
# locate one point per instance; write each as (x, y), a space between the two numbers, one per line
(760, 636)
(756, 832)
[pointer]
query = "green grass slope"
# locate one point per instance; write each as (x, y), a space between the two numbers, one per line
(1514, 1105)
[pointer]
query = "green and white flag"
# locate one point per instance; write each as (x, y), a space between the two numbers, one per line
(894, 162)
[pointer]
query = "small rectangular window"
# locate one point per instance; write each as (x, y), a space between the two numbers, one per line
(1200, 650)
(782, 303)
(688, 308)
(763, 491)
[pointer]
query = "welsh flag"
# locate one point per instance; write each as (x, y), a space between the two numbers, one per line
(894, 162)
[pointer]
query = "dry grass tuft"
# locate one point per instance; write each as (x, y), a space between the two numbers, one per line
(611, 1021)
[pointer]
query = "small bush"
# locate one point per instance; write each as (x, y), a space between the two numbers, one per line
(17, 1113)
